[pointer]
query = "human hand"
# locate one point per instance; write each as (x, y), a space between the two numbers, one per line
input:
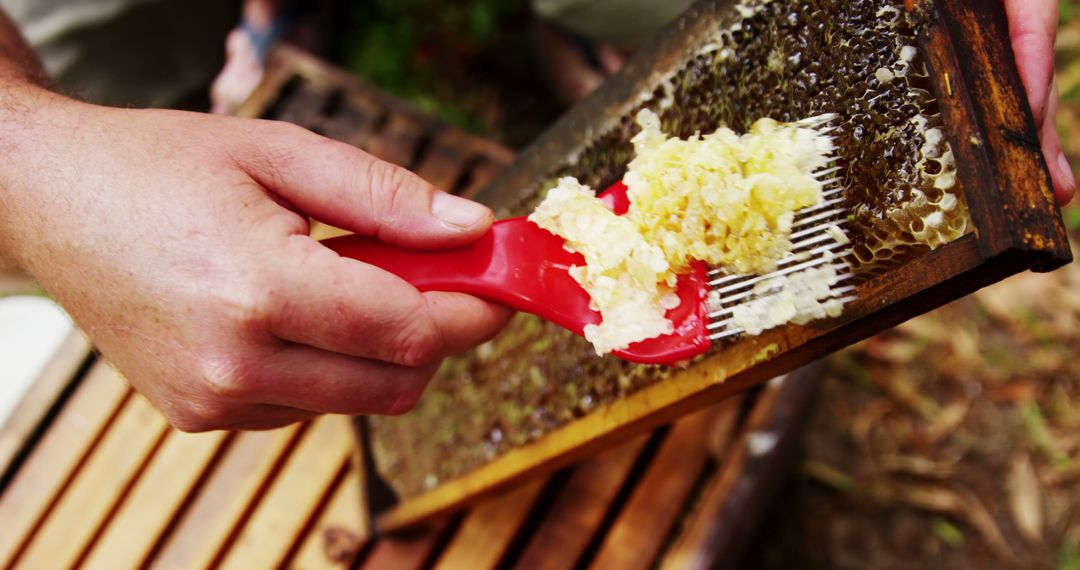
(241, 74)
(1033, 26)
(175, 241)
(264, 23)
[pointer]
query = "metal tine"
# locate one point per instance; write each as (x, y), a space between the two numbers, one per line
(823, 204)
(734, 299)
(721, 278)
(735, 332)
(827, 215)
(806, 264)
(722, 285)
(729, 287)
(811, 241)
(810, 223)
(727, 321)
(828, 199)
(827, 171)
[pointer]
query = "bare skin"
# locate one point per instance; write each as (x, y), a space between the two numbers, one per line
(176, 242)
(243, 70)
(1033, 26)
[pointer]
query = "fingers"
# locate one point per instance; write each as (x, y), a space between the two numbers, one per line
(346, 187)
(320, 381)
(345, 306)
(1033, 26)
(465, 321)
(259, 417)
(1060, 172)
(239, 76)
(214, 412)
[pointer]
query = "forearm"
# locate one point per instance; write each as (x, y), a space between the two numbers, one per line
(28, 112)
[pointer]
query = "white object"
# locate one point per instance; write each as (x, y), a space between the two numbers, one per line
(31, 331)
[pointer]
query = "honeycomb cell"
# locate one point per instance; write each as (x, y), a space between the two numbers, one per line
(788, 60)
(784, 59)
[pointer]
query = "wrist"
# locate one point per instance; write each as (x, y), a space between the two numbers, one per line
(33, 123)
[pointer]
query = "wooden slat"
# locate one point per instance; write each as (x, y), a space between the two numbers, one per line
(41, 396)
(581, 505)
(354, 122)
(54, 460)
(341, 530)
(481, 173)
(443, 162)
(279, 71)
(406, 552)
(489, 528)
(289, 504)
(658, 500)
(302, 106)
(398, 141)
(220, 505)
(154, 500)
(736, 497)
(97, 488)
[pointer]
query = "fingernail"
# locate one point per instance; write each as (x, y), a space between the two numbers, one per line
(458, 213)
(1066, 171)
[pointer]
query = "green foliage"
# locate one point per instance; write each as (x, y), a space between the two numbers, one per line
(947, 532)
(1068, 11)
(1040, 437)
(1072, 218)
(1068, 556)
(433, 53)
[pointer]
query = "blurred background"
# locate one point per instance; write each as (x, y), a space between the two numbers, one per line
(950, 441)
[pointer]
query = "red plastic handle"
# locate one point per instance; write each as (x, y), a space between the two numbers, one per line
(517, 264)
(525, 267)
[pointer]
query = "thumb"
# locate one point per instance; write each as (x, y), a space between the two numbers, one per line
(344, 186)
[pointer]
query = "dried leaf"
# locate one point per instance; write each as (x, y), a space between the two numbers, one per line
(960, 505)
(902, 389)
(947, 421)
(918, 466)
(1025, 498)
(1040, 436)
(925, 326)
(830, 476)
(895, 349)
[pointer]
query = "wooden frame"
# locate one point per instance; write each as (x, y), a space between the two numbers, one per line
(1017, 227)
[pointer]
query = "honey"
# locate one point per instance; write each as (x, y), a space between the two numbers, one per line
(784, 59)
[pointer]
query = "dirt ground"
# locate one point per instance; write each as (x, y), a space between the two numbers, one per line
(952, 441)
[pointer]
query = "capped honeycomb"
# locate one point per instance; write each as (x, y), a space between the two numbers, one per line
(784, 59)
(790, 60)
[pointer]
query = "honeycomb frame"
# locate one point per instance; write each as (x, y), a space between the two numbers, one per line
(1014, 226)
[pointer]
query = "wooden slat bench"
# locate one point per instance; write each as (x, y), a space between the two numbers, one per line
(91, 476)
